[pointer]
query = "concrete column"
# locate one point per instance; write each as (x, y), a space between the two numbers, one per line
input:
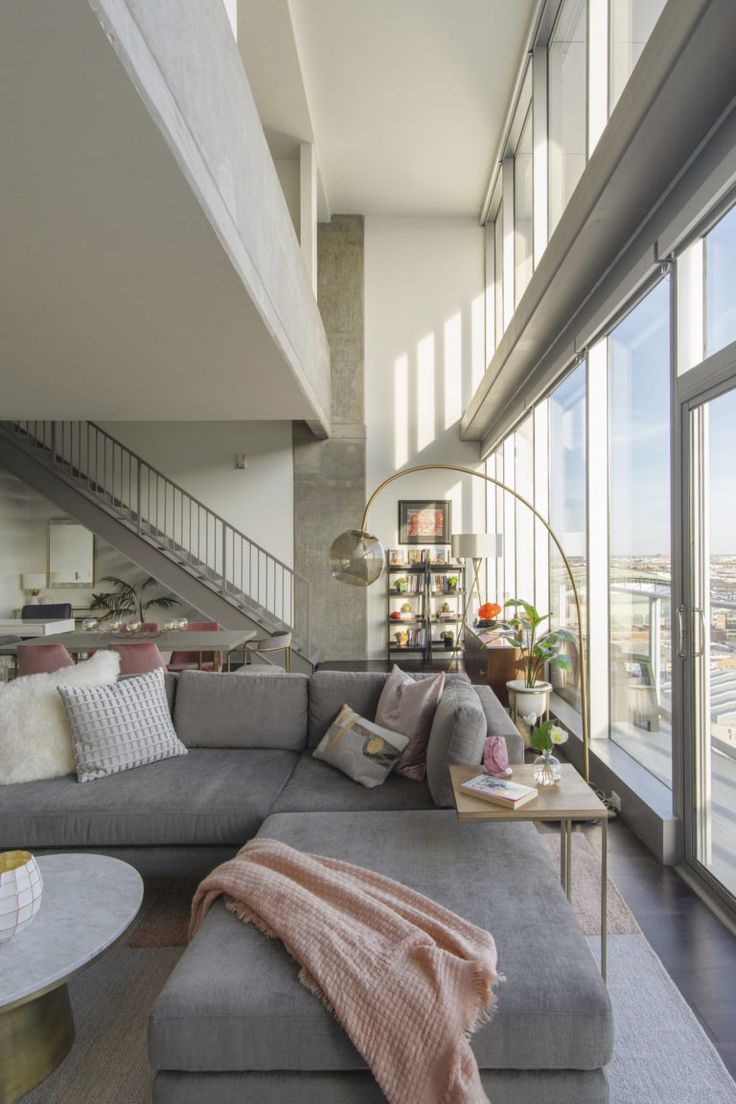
(329, 476)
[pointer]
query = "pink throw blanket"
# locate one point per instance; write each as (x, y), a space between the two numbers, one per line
(408, 980)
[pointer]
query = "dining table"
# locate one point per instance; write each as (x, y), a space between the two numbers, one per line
(225, 642)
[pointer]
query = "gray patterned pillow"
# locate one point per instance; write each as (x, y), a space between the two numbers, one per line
(361, 749)
(114, 728)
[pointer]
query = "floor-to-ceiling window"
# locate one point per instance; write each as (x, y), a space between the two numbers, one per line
(523, 210)
(720, 283)
(631, 22)
(567, 100)
(524, 481)
(567, 513)
(640, 576)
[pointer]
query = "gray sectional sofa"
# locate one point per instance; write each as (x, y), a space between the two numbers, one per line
(232, 1023)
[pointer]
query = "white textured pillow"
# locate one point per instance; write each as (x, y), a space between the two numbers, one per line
(116, 728)
(34, 730)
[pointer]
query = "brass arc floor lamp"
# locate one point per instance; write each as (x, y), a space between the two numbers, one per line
(358, 558)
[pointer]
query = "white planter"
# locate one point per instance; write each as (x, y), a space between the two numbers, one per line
(21, 887)
(529, 702)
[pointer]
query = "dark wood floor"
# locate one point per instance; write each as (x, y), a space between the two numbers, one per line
(697, 950)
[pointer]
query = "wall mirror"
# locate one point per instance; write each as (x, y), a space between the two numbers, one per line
(71, 554)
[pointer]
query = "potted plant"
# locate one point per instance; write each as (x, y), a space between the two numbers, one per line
(537, 648)
(127, 600)
(452, 581)
(545, 738)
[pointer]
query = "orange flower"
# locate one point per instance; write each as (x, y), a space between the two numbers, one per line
(488, 611)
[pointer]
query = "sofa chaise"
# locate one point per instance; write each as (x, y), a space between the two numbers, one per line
(232, 1023)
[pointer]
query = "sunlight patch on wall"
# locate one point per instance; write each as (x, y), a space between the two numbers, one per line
(453, 369)
(401, 411)
(425, 392)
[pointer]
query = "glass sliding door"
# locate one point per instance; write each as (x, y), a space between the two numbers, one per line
(708, 636)
(639, 568)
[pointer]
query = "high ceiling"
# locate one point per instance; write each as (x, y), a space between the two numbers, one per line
(406, 98)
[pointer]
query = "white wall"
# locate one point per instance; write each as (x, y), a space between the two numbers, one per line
(287, 170)
(424, 356)
(24, 519)
(199, 456)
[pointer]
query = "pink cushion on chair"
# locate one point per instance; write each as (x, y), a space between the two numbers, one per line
(39, 659)
(190, 661)
(139, 657)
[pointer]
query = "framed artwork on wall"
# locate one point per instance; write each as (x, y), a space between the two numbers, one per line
(424, 522)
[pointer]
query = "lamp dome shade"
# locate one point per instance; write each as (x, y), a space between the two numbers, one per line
(356, 558)
(475, 546)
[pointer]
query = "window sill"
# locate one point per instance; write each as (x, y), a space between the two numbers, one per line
(646, 803)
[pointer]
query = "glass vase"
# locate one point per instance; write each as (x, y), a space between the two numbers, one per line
(547, 769)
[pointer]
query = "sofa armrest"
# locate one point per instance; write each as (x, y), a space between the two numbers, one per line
(500, 724)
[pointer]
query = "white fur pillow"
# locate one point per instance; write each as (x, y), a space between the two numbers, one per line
(34, 729)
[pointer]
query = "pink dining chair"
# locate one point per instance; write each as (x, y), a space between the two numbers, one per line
(39, 659)
(138, 658)
(197, 661)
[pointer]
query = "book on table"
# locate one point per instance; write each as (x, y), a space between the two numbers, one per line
(499, 791)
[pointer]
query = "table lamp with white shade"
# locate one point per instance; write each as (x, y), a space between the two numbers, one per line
(476, 547)
(33, 582)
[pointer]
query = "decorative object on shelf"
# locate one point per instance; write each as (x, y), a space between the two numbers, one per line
(90, 624)
(128, 600)
(395, 615)
(452, 581)
(487, 614)
(33, 582)
(447, 638)
(352, 570)
(496, 757)
(426, 522)
(531, 698)
(21, 887)
(547, 767)
(407, 611)
(401, 584)
(402, 638)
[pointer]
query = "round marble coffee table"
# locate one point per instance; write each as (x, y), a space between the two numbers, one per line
(88, 903)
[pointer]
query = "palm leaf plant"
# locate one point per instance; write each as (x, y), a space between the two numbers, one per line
(129, 600)
(537, 646)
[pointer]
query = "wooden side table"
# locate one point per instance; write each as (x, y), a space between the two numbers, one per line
(570, 800)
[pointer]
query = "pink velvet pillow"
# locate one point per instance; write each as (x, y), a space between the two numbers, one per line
(407, 706)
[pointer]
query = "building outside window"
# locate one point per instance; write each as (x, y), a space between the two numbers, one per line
(567, 105)
(639, 565)
(567, 513)
(524, 484)
(631, 22)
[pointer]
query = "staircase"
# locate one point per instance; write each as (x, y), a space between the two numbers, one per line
(159, 526)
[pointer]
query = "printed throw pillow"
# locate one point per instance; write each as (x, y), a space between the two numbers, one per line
(407, 705)
(115, 728)
(361, 749)
(34, 730)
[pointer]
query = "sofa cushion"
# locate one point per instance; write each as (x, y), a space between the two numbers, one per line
(361, 749)
(457, 735)
(361, 690)
(319, 787)
(499, 723)
(209, 796)
(234, 1002)
(408, 706)
(219, 710)
(115, 728)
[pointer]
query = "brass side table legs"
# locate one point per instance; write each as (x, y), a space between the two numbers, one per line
(34, 1038)
(566, 879)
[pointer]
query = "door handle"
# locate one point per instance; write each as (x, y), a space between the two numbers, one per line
(681, 649)
(700, 651)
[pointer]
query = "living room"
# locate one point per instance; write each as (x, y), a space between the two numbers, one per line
(368, 373)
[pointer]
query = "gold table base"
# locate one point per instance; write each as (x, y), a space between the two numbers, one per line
(34, 1038)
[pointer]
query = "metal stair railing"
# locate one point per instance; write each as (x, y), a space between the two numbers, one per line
(174, 521)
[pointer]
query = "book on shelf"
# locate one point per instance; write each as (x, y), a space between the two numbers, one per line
(499, 791)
